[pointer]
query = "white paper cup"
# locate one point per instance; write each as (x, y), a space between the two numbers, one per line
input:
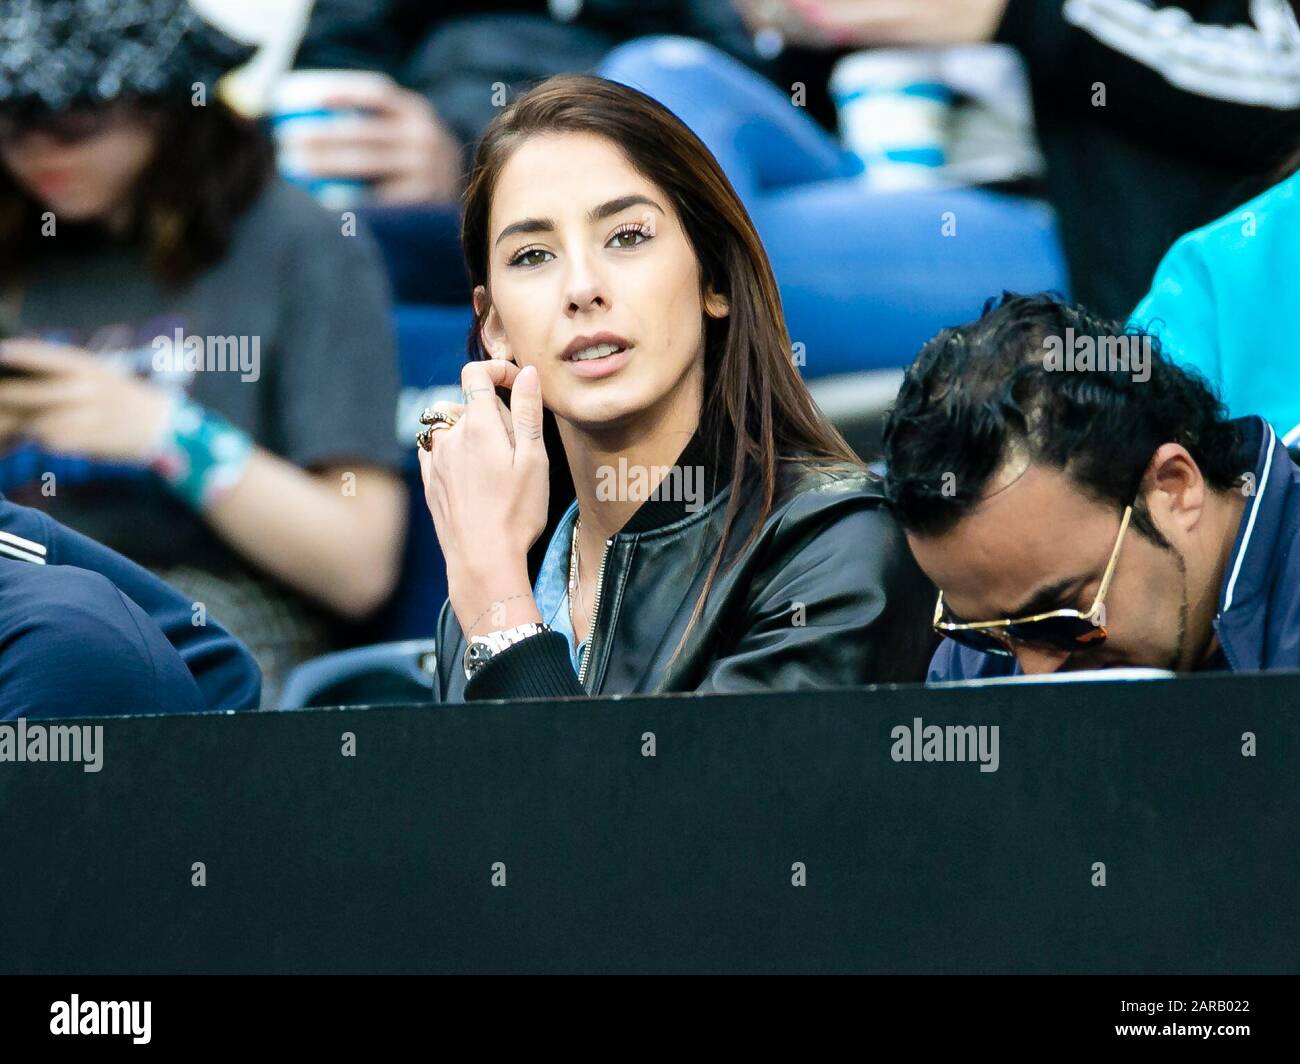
(894, 112)
(298, 106)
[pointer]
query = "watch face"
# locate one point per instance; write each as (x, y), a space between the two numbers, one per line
(481, 650)
(476, 655)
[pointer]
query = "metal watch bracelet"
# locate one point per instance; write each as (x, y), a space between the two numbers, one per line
(480, 649)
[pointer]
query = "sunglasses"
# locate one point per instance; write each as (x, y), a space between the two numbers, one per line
(1068, 630)
(66, 128)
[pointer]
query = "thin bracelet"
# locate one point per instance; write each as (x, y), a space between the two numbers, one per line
(498, 602)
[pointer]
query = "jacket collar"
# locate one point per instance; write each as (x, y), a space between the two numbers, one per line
(709, 469)
(1271, 509)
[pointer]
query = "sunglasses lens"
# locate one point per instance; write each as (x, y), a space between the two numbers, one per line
(1059, 633)
(976, 639)
(1070, 634)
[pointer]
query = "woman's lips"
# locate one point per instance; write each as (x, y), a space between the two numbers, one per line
(595, 368)
(52, 182)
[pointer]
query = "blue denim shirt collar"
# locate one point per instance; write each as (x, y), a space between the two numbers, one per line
(552, 587)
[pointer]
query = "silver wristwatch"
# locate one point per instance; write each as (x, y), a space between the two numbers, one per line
(483, 648)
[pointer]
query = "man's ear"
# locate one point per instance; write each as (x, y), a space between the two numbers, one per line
(715, 305)
(1174, 487)
(491, 331)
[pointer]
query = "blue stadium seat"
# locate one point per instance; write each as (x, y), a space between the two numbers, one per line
(421, 249)
(887, 272)
(388, 673)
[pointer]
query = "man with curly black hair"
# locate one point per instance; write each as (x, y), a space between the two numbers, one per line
(1084, 503)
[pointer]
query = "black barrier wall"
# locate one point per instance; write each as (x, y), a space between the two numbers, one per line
(717, 833)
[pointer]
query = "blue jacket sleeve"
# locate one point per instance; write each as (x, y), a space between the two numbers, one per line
(224, 670)
(73, 645)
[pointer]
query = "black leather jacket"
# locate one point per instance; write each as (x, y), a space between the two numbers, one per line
(826, 595)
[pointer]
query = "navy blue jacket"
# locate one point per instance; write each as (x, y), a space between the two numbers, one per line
(36, 546)
(72, 645)
(1258, 622)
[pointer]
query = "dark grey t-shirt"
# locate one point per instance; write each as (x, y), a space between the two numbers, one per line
(298, 314)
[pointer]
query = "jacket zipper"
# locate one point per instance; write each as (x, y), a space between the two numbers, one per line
(595, 613)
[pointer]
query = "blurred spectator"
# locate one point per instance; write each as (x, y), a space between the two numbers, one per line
(77, 616)
(454, 65)
(866, 278)
(1151, 114)
(212, 346)
(1226, 300)
(49, 617)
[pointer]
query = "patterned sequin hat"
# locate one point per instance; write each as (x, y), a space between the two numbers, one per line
(57, 54)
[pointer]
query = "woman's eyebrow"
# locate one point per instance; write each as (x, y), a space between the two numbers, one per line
(605, 210)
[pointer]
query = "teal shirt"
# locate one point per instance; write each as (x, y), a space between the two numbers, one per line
(1226, 301)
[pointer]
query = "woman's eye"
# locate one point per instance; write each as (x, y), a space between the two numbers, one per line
(630, 237)
(529, 257)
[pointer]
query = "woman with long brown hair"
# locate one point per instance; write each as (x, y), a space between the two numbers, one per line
(722, 535)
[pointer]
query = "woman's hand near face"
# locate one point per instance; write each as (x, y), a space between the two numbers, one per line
(71, 401)
(486, 485)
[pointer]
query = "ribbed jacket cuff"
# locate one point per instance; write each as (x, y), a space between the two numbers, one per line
(536, 667)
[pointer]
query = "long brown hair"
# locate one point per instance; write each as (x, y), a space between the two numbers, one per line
(208, 167)
(754, 399)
